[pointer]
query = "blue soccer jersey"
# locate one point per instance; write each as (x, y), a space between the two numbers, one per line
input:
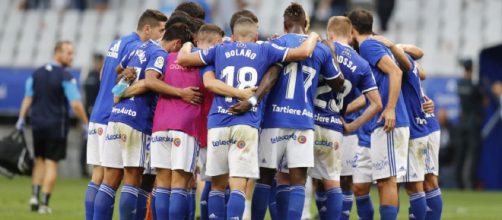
(359, 79)
(412, 94)
(104, 101)
(432, 120)
(290, 103)
(364, 135)
(372, 51)
(137, 111)
(240, 65)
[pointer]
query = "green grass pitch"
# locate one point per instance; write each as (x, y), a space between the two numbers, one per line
(67, 202)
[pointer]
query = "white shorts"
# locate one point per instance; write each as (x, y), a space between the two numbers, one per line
(389, 152)
(174, 150)
(202, 164)
(362, 173)
(283, 148)
(125, 146)
(349, 147)
(432, 153)
(416, 160)
(327, 154)
(233, 150)
(95, 141)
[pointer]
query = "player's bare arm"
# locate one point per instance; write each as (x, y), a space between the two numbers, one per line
(268, 81)
(219, 87)
(375, 106)
(304, 50)
(388, 66)
(428, 105)
(188, 94)
(78, 109)
(398, 52)
(135, 89)
(421, 71)
(415, 52)
(358, 104)
(188, 58)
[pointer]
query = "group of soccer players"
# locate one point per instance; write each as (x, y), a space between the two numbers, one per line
(276, 111)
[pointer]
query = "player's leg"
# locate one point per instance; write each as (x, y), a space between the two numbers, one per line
(431, 186)
(95, 140)
(161, 160)
(267, 151)
(415, 176)
(192, 197)
(320, 198)
(217, 169)
(348, 155)
(243, 165)
(146, 187)
(282, 193)
(38, 172)
(362, 180)
(206, 184)
(388, 161)
(249, 193)
(183, 158)
(134, 153)
(300, 156)
(55, 151)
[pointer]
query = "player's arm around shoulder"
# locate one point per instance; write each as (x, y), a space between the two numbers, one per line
(219, 87)
(188, 58)
(304, 50)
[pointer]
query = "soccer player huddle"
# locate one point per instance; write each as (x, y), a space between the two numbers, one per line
(347, 111)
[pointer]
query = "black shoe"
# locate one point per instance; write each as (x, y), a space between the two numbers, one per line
(34, 204)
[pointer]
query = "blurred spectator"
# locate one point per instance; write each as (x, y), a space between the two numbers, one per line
(497, 91)
(34, 4)
(469, 127)
(91, 89)
(446, 149)
(327, 8)
(384, 10)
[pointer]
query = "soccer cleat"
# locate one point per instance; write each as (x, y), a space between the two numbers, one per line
(44, 210)
(34, 204)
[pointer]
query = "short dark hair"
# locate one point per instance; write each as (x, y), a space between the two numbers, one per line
(208, 31)
(295, 15)
(192, 9)
(151, 17)
(362, 21)
(178, 31)
(59, 45)
(182, 17)
(242, 13)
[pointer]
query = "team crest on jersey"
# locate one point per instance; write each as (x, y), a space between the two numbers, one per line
(159, 62)
(177, 142)
(100, 131)
(241, 144)
(240, 45)
(123, 137)
(302, 139)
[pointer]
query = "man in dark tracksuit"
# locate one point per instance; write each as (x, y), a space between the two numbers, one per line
(49, 91)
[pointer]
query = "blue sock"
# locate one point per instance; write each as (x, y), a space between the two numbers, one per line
(128, 201)
(388, 212)
(152, 203)
(260, 201)
(320, 201)
(191, 204)
(141, 204)
(203, 201)
(90, 194)
(434, 204)
(236, 205)
(178, 205)
(103, 204)
(272, 204)
(365, 209)
(348, 199)
(282, 200)
(162, 202)
(296, 202)
(418, 206)
(334, 202)
(216, 205)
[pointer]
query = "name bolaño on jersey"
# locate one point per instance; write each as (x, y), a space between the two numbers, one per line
(372, 51)
(240, 65)
(358, 79)
(137, 111)
(104, 101)
(290, 104)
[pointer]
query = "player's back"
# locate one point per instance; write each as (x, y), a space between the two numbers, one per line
(290, 103)
(117, 50)
(372, 51)
(187, 115)
(413, 99)
(137, 111)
